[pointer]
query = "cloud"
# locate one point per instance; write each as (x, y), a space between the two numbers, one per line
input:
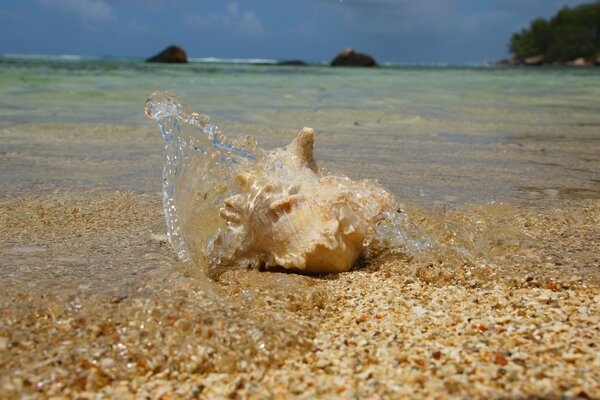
(379, 16)
(440, 17)
(437, 30)
(307, 27)
(88, 10)
(403, 16)
(232, 19)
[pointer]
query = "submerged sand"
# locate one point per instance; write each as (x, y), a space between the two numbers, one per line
(93, 302)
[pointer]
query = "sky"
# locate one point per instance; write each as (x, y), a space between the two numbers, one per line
(399, 31)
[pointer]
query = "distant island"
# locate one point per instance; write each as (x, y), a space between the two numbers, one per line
(350, 58)
(571, 37)
(172, 55)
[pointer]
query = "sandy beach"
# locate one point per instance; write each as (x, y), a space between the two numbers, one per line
(522, 323)
(95, 304)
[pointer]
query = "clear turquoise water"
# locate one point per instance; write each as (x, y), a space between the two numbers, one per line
(432, 134)
(91, 90)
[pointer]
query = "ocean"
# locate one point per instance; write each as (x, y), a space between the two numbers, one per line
(431, 134)
(502, 162)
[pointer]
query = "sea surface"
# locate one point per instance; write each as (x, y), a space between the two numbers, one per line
(431, 134)
(501, 163)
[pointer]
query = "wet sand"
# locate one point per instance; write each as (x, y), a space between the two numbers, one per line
(93, 301)
(524, 323)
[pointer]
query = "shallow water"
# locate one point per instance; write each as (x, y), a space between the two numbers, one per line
(433, 135)
(501, 162)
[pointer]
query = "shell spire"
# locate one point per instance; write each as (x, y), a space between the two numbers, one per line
(301, 149)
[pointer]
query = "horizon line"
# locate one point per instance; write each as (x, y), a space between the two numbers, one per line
(238, 60)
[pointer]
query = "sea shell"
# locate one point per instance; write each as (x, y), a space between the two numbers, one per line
(289, 214)
(228, 202)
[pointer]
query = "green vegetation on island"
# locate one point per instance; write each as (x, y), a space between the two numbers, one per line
(571, 37)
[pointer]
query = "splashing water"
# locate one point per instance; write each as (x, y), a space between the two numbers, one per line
(199, 165)
(200, 169)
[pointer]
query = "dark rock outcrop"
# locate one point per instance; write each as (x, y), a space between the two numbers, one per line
(172, 54)
(506, 61)
(350, 58)
(295, 63)
(597, 61)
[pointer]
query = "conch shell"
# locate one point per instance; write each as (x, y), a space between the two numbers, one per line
(289, 214)
(228, 202)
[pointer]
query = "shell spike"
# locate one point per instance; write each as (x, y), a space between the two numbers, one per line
(302, 149)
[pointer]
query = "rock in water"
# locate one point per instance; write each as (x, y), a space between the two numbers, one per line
(229, 203)
(350, 58)
(172, 54)
(507, 61)
(293, 63)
